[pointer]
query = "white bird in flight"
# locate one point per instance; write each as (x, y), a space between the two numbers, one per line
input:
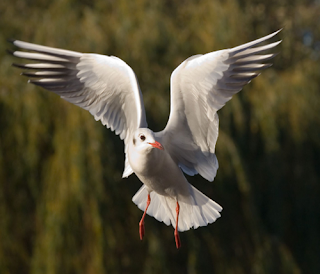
(201, 85)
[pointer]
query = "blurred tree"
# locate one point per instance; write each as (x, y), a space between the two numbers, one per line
(63, 205)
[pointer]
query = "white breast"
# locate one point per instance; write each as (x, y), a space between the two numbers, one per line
(160, 173)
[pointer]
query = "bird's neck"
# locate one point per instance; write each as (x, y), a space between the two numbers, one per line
(147, 163)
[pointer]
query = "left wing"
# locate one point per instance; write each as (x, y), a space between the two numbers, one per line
(200, 86)
(104, 85)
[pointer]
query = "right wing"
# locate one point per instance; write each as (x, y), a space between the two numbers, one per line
(200, 86)
(104, 85)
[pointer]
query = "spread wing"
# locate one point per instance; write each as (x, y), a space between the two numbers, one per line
(104, 85)
(200, 86)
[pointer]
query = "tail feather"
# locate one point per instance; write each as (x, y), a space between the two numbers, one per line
(198, 210)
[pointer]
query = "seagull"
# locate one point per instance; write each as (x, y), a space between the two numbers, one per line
(201, 85)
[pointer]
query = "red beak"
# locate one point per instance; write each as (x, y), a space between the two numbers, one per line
(157, 145)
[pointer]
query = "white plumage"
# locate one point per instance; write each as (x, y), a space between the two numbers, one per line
(201, 210)
(107, 87)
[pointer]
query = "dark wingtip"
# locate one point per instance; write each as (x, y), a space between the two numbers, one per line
(9, 51)
(18, 65)
(35, 82)
(10, 40)
(25, 74)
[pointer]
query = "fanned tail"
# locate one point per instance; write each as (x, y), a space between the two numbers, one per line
(199, 210)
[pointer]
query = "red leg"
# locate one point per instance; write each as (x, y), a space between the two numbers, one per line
(141, 224)
(176, 233)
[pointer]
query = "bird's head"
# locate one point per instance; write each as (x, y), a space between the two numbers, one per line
(144, 140)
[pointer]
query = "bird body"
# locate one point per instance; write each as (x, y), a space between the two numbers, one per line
(162, 175)
(155, 167)
(201, 85)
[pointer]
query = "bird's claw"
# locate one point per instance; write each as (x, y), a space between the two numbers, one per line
(177, 238)
(141, 230)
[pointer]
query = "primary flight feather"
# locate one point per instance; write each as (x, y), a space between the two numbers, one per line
(201, 85)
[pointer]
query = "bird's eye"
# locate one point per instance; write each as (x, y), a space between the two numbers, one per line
(142, 137)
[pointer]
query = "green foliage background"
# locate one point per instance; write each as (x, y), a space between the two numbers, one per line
(63, 205)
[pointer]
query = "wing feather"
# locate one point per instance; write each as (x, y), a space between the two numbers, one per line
(200, 86)
(100, 84)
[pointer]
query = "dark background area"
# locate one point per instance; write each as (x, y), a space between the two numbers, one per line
(63, 205)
